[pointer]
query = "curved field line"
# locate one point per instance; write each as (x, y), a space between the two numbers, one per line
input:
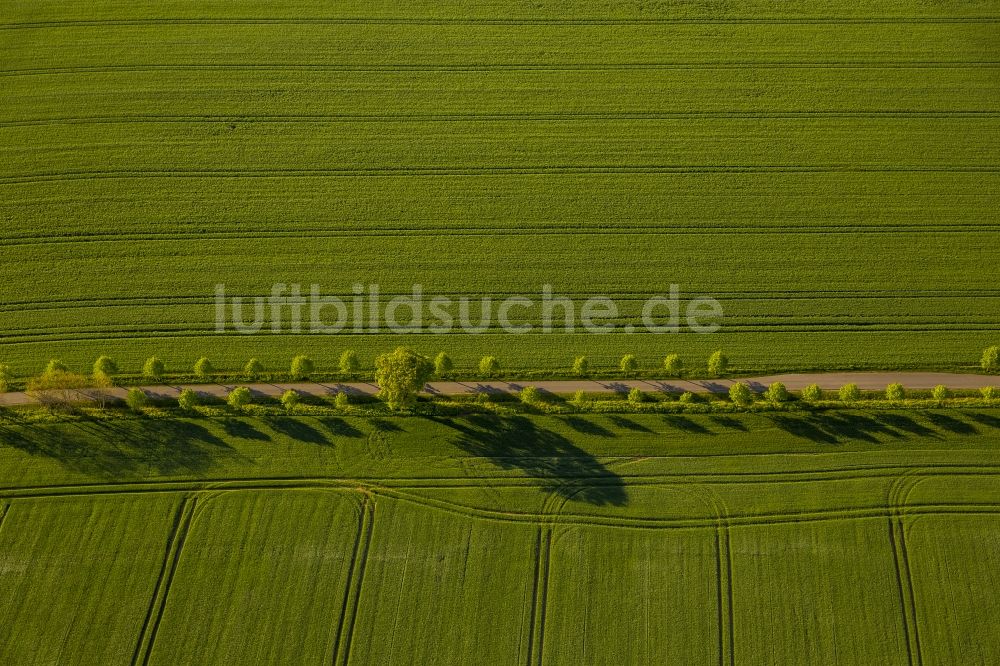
(539, 596)
(444, 21)
(355, 579)
(496, 67)
(157, 604)
(675, 479)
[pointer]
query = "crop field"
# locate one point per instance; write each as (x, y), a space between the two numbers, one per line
(829, 171)
(829, 538)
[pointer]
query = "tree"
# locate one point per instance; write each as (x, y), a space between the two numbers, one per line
(777, 392)
(718, 364)
(990, 392)
(741, 394)
(342, 401)
(443, 365)
(5, 378)
(688, 397)
(290, 400)
(105, 368)
(239, 397)
(302, 367)
(812, 393)
(203, 368)
(850, 393)
(188, 400)
(580, 399)
(153, 368)
(673, 365)
(400, 375)
(253, 369)
(895, 392)
(991, 359)
(58, 388)
(54, 366)
(581, 366)
(530, 395)
(636, 396)
(628, 365)
(349, 363)
(941, 393)
(489, 367)
(136, 399)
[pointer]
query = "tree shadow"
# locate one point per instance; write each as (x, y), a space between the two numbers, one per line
(517, 442)
(125, 449)
(729, 422)
(339, 427)
(627, 424)
(382, 425)
(987, 420)
(834, 428)
(586, 426)
(684, 424)
(950, 423)
(243, 430)
(905, 423)
(297, 429)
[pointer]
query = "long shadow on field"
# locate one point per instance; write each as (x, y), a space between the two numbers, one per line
(119, 449)
(516, 442)
(837, 427)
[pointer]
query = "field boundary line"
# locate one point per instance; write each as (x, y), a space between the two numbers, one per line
(354, 583)
(503, 67)
(154, 613)
(497, 21)
(531, 116)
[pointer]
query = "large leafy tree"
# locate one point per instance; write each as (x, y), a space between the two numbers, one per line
(401, 375)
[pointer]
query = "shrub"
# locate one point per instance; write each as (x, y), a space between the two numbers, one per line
(153, 368)
(991, 359)
(850, 393)
(636, 396)
(203, 368)
(136, 399)
(580, 398)
(443, 365)
(581, 366)
(290, 400)
(740, 394)
(349, 363)
(812, 393)
(253, 369)
(5, 378)
(400, 375)
(105, 368)
(895, 392)
(990, 392)
(530, 395)
(941, 392)
(673, 365)
(239, 397)
(342, 401)
(628, 364)
(489, 366)
(54, 366)
(776, 392)
(302, 367)
(688, 398)
(718, 364)
(188, 400)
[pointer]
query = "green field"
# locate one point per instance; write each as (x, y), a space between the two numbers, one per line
(828, 538)
(827, 170)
